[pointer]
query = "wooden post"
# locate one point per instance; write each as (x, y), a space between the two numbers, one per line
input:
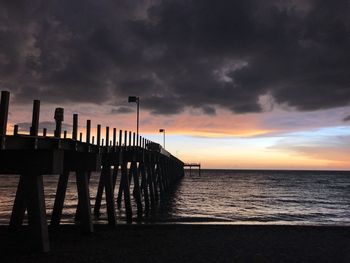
(4, 111)
(30, 195)
(137, 192)
(44, 132)
(98, 139)
(126, 189)
(144, 185)
(65, 135)
(149, 181)
(99, 194)
(59, 199)
(75, 127)
(137, 140)
(81, 136)
(121, 188)
(105, 173)
(107, 135)
(110, 202)
(84, 202)
(15, 130)
(120, 138)
(154, 178)
(19, 206)
(93, 139)
(59, 117)
(114, 136)
(116, 165)
(35, 199)
(88, 131)
(34, 129)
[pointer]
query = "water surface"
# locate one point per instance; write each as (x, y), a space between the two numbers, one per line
(226, 196)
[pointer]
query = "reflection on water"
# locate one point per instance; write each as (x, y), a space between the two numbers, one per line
(274, 197)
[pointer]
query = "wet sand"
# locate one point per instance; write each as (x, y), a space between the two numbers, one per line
(185, 243)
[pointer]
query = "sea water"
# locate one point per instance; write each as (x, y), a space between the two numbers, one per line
(225, 197)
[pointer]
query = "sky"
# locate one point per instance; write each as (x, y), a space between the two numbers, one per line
(236, 84)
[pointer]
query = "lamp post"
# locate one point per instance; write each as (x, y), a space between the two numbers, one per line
(137, 100)
(163, 131)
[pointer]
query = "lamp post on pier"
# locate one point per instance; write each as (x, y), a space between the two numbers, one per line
(137, 100)
(163, 131)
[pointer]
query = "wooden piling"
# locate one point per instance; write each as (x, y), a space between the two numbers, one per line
(4, 111)
(35, 202)
(108, 183)
(123, 152)
(88, 131)
(59, 117)
(19, 207)
(114, 136)
(98, 138)
(59, 198)
(34, 129)
(15, 130)
(107, 135)
(75, 127)
(126, 190)
(84, 201)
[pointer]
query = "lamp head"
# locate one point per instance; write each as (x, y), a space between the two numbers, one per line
(132, 99)
(161, 130)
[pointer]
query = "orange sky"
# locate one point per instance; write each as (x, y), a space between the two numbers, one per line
(278, 139)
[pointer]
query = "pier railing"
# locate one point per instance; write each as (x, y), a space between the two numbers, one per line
(143, 167)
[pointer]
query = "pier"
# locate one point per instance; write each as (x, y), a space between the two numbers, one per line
(146, 171)
(190, 165)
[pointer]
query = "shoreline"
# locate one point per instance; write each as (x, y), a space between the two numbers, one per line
(185, 243)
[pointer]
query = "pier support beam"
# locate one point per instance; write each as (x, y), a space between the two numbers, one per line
(110, 202)
(59, 199)
(84, 202)
(30, 195)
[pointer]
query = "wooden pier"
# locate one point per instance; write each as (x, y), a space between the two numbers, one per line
(143, 167)
(190, 165)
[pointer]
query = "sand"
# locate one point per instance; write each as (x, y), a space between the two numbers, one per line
(185, 243)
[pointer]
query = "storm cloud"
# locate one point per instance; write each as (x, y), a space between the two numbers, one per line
(176, 54)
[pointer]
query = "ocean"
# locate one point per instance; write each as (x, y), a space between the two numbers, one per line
(225, 197)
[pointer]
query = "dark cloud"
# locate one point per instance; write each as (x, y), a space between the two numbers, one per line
(346, 118)
(122, 110)
(209, 110)
(178, 53)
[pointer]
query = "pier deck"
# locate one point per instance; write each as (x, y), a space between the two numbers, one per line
(190, 165)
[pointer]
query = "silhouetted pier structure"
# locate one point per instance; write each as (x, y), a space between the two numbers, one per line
(190, 165)
(140, 163)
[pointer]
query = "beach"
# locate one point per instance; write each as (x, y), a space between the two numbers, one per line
(184, 243)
